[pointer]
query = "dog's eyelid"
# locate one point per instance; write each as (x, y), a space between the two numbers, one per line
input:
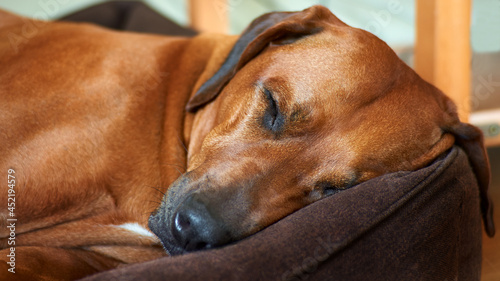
(326, 185)
(273, 108)
(332, 186)
(273, 118)
(273, 96)
(272, 101)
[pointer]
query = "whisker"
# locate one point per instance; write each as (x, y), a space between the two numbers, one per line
(148, 213)
(176, 167)
(157, 188)
(156, 204)
(182, 143)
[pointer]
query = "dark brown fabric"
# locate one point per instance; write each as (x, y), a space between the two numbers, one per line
(131, 16)
(422, 225)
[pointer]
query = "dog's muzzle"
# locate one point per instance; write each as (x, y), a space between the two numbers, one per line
(189, 219)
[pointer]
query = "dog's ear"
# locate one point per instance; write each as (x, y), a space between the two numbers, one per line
(471, 140)
(278, 28)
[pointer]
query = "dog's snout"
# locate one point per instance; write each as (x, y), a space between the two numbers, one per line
(194, 227)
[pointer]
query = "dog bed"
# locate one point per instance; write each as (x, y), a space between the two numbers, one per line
(421, 225)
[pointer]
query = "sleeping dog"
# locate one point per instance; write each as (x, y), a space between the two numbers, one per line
(237, 132)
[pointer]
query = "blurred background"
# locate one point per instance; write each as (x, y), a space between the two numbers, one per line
(454, 44)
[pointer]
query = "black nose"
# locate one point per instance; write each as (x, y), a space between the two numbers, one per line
(194, 227)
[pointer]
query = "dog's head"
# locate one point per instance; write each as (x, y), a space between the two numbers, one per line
(304, 106)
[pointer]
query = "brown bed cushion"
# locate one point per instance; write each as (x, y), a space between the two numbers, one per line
(130, 16)
(422, 225)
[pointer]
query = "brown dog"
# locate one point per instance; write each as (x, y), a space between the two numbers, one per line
(300, 107)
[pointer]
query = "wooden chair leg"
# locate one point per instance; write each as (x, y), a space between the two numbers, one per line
(442, 48)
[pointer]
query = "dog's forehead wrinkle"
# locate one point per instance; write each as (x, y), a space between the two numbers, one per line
(302, 61)
(292, 97)
(308, 71)
(296, 104)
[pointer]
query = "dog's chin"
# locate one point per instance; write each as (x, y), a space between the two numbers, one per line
(169, 244)
(173, 250)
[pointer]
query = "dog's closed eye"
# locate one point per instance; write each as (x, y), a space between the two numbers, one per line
(328, 188)
(273, 120)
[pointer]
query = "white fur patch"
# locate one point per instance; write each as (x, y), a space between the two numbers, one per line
(135, 227)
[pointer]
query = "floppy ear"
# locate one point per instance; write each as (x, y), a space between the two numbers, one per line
(277, 27)
(471, 140)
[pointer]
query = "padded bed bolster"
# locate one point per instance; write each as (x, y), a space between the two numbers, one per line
(421, 225)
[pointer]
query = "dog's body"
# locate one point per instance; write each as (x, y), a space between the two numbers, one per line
(92, 123)
(94, 127)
